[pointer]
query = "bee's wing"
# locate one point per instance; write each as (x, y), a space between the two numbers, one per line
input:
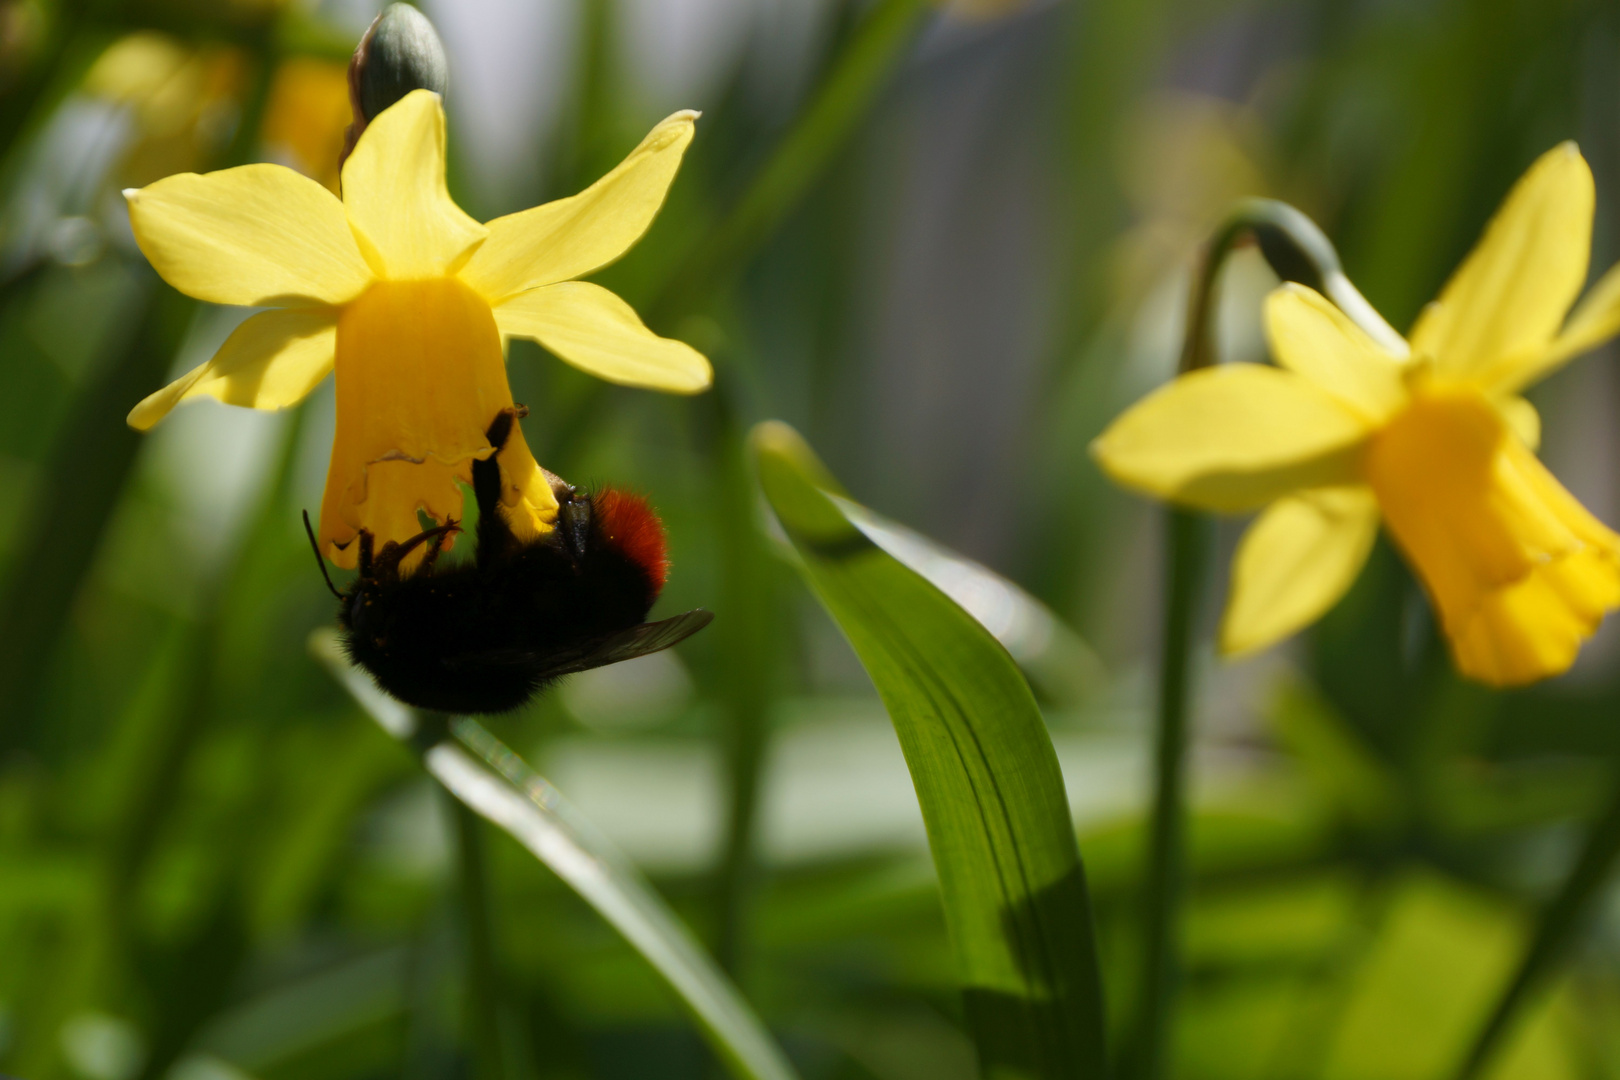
(628, 644)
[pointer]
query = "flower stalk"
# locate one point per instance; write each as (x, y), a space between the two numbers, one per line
(84, 478)
(484, 774)
(482, 1003)
(1560, 923)
(1297, 250)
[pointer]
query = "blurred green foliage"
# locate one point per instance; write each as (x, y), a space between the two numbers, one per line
(212, 866)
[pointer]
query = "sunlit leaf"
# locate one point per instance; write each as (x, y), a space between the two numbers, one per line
(536, 815)
(987, 778)
(1058, 661)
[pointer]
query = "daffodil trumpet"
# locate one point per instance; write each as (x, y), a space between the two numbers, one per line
(1428, 436)
(411, 302)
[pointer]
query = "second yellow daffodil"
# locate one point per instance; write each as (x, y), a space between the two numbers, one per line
(410, 300)
(1436, 444)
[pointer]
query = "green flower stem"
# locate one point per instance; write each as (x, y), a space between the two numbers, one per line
(83, 479)
(820, 130)
(1166, 870)
(81, 482)
(154, 788)
(77, 33)
(482, 1005)
(752, 636)
(1560, 924)
(1299, 251)
(860, 72)
(1184, 584)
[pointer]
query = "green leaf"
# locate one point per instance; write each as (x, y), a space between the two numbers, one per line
(535, 814)
(1055, 659)
(1015, 894)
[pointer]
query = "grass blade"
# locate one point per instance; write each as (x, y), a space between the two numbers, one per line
(860, 72)
(986, 776)
(521, 803)
(1560, 924)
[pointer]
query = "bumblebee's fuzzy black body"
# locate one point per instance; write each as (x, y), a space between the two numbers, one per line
(485, 636)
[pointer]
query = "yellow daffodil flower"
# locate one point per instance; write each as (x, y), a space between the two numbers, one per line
(308, 114)
(1437, 444)
(180, 97)
(411, 301)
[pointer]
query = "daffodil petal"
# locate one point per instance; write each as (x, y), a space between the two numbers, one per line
(395, 193)
(1595, 320)
(571, 237)
(1533, 629)
(1308, 334)
(597, 332)
(1233, 438)
(257, 236)
(1511, 294)
(273, 360)
(1300, 555)
(1522, 419)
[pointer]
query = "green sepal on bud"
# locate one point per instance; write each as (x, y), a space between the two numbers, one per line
(400, 52)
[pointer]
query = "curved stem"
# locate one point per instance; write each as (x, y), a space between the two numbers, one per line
(1184, 574)
(1560, 923)
(1298, 250)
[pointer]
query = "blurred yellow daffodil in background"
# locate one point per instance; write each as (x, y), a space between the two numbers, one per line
(183, 99)
(1437, 444)
(410, 300)
(307, 115)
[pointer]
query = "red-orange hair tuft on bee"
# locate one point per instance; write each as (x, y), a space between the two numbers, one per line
(628, 523)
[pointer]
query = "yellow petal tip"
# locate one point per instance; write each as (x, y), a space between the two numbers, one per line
(131, 193)
(140, 417)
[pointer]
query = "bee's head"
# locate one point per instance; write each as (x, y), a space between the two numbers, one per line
(574, 516)
(354, 603)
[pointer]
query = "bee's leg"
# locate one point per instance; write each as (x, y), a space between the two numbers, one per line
(385, 567)
(366, 559)
(495, 536)
(436, 544)
(500, 429)
(394, 553)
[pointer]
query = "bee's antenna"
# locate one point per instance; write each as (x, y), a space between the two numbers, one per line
(320, 561)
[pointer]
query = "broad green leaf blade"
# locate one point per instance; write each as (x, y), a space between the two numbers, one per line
(986, 777)
(535, 814)
(1055, 658)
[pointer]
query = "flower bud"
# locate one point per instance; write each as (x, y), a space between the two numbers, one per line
(400, 52)
(1289, 259)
